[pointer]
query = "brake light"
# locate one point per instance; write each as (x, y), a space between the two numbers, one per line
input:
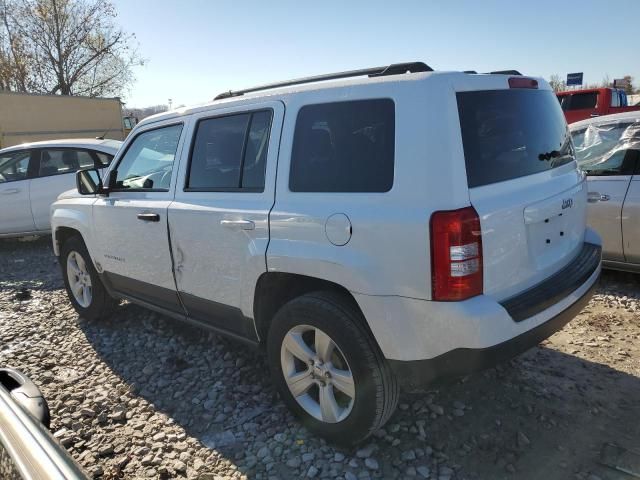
(522, 82)
(456, 255)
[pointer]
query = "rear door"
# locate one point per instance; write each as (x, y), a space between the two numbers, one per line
(56, 173)
(16, 168)
(524, 184)
(630, 216)
(219, 220)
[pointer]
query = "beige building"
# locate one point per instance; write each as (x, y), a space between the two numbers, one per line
(28, 118)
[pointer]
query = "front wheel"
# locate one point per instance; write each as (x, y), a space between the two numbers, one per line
(82, 282)
(328, 368)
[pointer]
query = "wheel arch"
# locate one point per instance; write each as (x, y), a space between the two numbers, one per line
(275, 289)
(65, 222)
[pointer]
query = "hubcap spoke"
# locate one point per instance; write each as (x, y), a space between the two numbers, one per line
(86, 294)
(343, 381)
(294, 343)
(328, 405)
(323, 345)
(299, 383)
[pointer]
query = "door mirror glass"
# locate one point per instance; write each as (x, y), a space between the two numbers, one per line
(88, 182)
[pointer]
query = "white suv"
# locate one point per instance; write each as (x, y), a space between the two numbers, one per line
(373, 229)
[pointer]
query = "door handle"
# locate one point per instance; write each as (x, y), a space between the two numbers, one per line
(149, 217)
(10, 191)
(240, 224)
(594, 197)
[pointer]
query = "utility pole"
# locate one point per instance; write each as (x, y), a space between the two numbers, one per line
(170, 103)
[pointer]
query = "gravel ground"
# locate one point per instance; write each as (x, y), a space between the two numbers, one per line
(140, 396)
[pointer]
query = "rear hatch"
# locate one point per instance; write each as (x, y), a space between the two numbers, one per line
(524, 183)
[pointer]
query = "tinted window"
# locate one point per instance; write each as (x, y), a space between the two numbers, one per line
(60, 161)
(580, 101)
(103, 158)
(255, 157)
(14, 166)
(148, 162)
(511, 133)
(230, 152)
(344, 147)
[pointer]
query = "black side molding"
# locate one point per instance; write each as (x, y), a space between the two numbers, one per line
(416, 375)
(555, 288)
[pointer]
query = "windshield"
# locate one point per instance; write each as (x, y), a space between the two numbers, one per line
(508, 134)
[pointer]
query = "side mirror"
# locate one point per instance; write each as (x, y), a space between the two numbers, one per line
(26, 394)
(88, 181)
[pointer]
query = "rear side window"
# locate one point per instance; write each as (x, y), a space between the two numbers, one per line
(60, 161)
(230, 153)
(103, 158)
(344, 147)
(508, 134)
(580, 101)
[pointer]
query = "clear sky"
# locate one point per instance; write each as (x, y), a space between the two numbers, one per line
(198, 48)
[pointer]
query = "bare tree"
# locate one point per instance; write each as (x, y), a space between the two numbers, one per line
(69, 47)
(557, 83)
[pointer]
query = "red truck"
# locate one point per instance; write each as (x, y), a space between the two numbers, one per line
(593, 102)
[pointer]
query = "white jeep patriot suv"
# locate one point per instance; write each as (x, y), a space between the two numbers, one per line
(373, 229)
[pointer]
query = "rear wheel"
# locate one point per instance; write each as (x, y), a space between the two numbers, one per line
(329, 370)
(82, 282)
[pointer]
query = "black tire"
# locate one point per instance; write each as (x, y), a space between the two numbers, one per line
(102, 304)
(376, 388)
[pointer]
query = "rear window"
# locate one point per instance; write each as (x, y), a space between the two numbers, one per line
(344, 147)
(508, 134)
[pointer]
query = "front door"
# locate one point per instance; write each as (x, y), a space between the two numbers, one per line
(219, 221)
(15, 208)
(608, 183)
(133, 242)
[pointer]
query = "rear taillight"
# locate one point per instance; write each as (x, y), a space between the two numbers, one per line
(456, 254)
(522, 82)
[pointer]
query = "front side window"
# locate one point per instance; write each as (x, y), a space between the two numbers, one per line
(344, 147)
(230, 152)
(60, 161)
(607, 149)
(14, 166)
(615, 98)
(148, 161)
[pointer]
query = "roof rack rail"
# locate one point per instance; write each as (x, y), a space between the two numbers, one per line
(505, 72)
(394, 69)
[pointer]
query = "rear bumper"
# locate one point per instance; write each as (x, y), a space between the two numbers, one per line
(426, 340)
(416, 374)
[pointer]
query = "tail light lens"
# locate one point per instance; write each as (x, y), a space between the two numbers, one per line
(456, 255)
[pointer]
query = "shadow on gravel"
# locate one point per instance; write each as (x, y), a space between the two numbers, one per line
(543, 415)
(26, 263)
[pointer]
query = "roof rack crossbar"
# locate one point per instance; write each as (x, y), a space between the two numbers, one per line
(395, 69)
(505, 72)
